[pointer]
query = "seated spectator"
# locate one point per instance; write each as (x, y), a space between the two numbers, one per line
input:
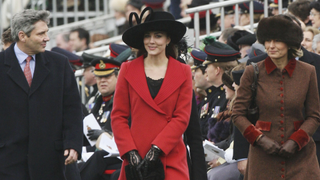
(119, 8)
(133, 6)
(315, 14)
(301, 10)
(316, 44)
(96, 37)
(79, 39)
(219, 124)
(229, 20)
(6, 39)
(225, 34)
(202, 21)
(275, 7)
(244, 18)
(227, 168)
(62, 41)
(245, 43)
(156, 5)
(308, 34)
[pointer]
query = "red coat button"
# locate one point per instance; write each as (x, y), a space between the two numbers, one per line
(282, 142)
(281, 82)
(281, 115)
(282, 176)
(282, 108)
(282, 162)
(282, 77)
(282, 136)
(281, 95)
(281, 122)
(282, 129)
(281, 89)
(281, 101)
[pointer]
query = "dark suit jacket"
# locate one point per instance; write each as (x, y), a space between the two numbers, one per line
(313, 59)
(39, 122)
(192, 137)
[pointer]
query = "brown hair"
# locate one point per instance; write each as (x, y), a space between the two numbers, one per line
(171, 50)
(6, 37)
(226, 66)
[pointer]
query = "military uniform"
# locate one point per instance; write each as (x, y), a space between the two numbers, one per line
(101, 111)
(97, 164)
(215, 101)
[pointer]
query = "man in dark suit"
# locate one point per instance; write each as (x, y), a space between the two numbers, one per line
(40, 107)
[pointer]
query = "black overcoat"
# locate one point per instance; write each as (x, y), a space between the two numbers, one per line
(39, 122)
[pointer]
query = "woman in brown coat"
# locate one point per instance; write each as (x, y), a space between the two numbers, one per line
(287, 96)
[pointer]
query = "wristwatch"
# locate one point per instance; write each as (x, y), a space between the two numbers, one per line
(156, 147)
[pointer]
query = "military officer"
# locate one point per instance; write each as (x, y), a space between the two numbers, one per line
(199, 79)
(218, 61)
(106, 72)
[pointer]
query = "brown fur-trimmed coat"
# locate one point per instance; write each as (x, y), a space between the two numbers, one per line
(281, 97)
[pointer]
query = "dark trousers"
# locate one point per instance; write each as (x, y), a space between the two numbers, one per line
(72, 172)
(96, 165)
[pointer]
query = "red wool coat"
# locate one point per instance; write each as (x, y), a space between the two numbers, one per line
(160, 121)
(282, 97)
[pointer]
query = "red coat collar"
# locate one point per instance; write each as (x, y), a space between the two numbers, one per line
(174, 77)
(270, 66)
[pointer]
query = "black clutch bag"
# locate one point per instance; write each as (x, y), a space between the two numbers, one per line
(253, 109)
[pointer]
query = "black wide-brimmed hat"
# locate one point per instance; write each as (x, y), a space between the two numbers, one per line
(155, 21)
(280, 28)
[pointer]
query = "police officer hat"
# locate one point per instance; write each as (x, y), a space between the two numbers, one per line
(275, 4)
(116, 49)
(155, 21)
(198, 58)
(105, 66)
(73, 58)
(87, 59)
(258, 58)
(219, 55)
(245, 7)
(227, 10)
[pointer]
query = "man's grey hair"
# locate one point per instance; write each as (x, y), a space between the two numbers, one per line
(25, 20)
(315, 41)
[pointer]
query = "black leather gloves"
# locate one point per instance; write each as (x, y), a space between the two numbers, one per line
(150, 159)
(270, 146)
(134, 160)
(94, 134)
(288, 148)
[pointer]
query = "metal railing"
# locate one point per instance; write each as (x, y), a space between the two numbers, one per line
(94, 24)
(62, 11)
(221, 5)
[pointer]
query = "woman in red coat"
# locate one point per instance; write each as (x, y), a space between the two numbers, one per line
(287, 96)
(155, 90)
